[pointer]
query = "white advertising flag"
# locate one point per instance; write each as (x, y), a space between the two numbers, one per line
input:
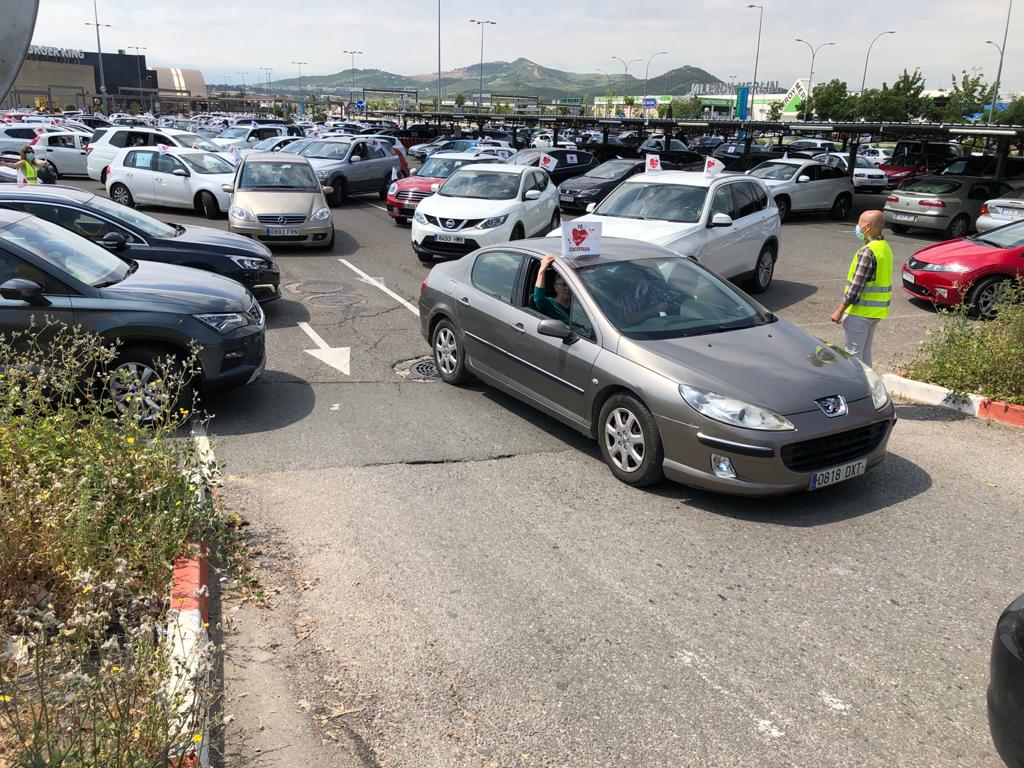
(163, 148)
(653, 164)
(547, 162)
(22, 181)
(236, 155)
(713, 167)
(581, 239)
(394, 173)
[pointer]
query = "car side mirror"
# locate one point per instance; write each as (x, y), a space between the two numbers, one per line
(179, 172)
(115, 241)
(803, 180)
(229, 188)
(720, 220)
(434, 187)
(531, 194)
(412, 171)
(591, 207)
(20, 289)
(251, 139)
(556, 329)
(328, 189)
(355, 159)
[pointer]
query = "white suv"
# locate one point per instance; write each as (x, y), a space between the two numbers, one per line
(107, 142)
(727, 223)
(806, 185)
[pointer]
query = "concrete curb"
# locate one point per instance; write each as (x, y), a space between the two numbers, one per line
(973, 405)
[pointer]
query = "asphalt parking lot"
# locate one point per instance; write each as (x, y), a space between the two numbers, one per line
(459, 581)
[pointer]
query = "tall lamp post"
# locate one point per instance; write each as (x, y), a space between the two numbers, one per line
(138, 62)
(353, 54)
(302, 100)
(625, 71)
(608, 85)
(482, 23)
(99, 54)
(268, 70)
(757, 56)
(864, 79)
(810, 78)
(999, 72)
(243, 74)
(437, 106)
(732, 86)
(643, 109)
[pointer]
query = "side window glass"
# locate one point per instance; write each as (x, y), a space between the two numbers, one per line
(745, 203)
(143, 160)
(156, 138)
(11, 266)
(813, 171)
(495, 272)
(118, 139)
(541, 180)
(168, 164)
(358, 149)
(722, 201)
(760, 196)
(579, 323)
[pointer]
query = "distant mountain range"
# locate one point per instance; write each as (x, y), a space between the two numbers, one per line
(507, 78)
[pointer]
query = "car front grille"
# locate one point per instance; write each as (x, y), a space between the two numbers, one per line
(916, 289)
(822, 452)
(452, 225)
(281, 219)
(411, 195)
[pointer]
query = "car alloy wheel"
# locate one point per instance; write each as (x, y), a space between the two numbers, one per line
(136, 388)
(448, 354)
(624, 440)
(783, 206)
(764, 271)
(119, 193)
(958, 227)
(989, 295)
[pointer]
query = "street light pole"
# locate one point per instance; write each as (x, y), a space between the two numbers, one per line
(810, 77)
(354, 54)
(865, 78)
(625, 73)
(482, 23)
(99, 54)
(643, 109)
(138, 64)
(999, 72)
(732, 85)
(437, 106)
(757, 56)
(270, 96)
(243, 74)
(302, 100)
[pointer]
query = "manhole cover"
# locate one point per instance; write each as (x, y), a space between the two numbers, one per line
(417, 369)
(336, 300)
(424, 369)
(318, 286)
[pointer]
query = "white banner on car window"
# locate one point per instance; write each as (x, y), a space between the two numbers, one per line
(571, 159)
(547, 162)
(713, 167)
(653, 164)
(581, 239)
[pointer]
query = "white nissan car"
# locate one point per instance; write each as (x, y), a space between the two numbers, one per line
(727, 223)
(174, 176)
(484, 204)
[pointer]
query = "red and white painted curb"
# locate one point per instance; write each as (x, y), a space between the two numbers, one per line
(973, 405)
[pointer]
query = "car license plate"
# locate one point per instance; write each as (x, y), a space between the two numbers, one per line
(1011, 213)
(837, 474)
(446, 238)
(904, 217)
(279, 231)
(565, 198)
(908, 278)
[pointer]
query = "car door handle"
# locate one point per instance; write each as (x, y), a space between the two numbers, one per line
(519, 328)
(464, 300)
(49, 150)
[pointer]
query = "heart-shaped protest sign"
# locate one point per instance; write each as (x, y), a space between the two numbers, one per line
(579, 235)
(546, 160)
(653, 162)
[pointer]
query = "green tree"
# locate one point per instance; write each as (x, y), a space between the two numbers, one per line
(966, 98)
(1014, 114)
(686, 109)
(460, 101)
(775, 110)
(832, 101)
(630, 102)
(563, 110)
(909, 89)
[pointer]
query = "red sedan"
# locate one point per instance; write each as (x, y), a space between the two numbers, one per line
(405, 194)
(977, 271)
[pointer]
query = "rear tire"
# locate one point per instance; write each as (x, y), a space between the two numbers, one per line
(958, 227)
(630, 441)
(383, 194)
(556, 220)
(841, 207)
(449, 355)
(899, 229)
(119, 193)
(103, 177)
(764, 270)
(208, 205)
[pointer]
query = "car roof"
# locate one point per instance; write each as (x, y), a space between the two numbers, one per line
(9, 216)
(456, 155)
(795, 161)
(50, 192)
(687, 178)
(613, 249)
(499, 168)
(274, 157)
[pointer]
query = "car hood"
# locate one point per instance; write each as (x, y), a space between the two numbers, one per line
(774, 365)
(228, 143)
(222, 241)
(185, 289)
(465, 207)
(776, 183)
(319, 163)
(418, 183)
(266, 202)
(579, 183)
(964, 251)
(649, 231)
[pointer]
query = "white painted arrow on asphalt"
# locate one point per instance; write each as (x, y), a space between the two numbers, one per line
(338, 358)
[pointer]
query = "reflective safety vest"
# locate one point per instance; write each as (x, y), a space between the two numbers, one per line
(874, 299)
(31, 176)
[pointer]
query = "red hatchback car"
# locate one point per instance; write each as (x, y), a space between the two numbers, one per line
(978, 271)
(405, 194)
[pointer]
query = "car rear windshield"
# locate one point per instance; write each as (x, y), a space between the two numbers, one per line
(195, 141)
(775, 171)
(68, 252)
(443, 167)
(662, 202)
(327, 150)
(233, 133)
(668, 297)
(481, 185)
(204, 162)
(146, 224)
(931, 186)
(296, 177)
(613, 169)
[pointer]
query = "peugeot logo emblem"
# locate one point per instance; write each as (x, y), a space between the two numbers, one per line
(832, 406)
(280, 219)
(450, 224)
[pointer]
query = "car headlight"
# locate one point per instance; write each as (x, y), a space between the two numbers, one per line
(879, 394)
(248, 262)
(420, 218)
(393, 188)
(491, 223)
(323, 173)
(587, 193)
(958, 268)
(321, 214)
(226, 322)
(241, 214)
(731, 411)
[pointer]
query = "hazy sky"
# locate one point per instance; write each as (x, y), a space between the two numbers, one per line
(223, 37)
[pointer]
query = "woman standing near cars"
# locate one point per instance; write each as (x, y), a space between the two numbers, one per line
(27, 164)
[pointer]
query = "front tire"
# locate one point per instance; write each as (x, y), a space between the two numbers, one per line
(986, 296)
(208, 205)
(630, 441)
(764, 270)
(783, 205)
(841, 207)
(337, 197)
(119, 193)
(329, 244)
(449, 356)
(401, 221)
(137, 388)
(899, 229)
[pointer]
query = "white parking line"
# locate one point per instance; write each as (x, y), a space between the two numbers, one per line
(367, 279)
(378, 207)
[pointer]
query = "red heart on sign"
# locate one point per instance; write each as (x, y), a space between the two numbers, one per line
(654, 162)
(579, 234)
(709, 164)
(545, 160)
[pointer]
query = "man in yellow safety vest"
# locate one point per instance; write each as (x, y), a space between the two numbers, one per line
(868, 287)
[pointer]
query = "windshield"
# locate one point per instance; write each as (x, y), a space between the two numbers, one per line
(142, 222)
(288, 176)
(260, 146)
(1010, 236)
(233, 133)
(67, 251)
(775, 171)
(204, 162)
(442, 168)
(863, 162)
(296, 146)
(610, 170)
(664, 202)
(668, 297)
(481, 185)
(195, 141)
(328, 150)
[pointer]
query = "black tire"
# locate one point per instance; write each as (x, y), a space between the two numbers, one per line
(449, 355)
(556, 221)
(329, 244)
(899, 229)
(518, 233)
(986, 295)
(340, 193)
(783, 205)
(401, 221)
(119, 193)
(623, 425)
(764, 270)
(958, 227)
(207, 205)
(841, 207)
(103, 177)
(133, 385)
(383, 194)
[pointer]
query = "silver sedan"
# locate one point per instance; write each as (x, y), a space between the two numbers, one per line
(673, 370)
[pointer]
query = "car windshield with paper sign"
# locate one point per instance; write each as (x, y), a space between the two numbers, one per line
(775, 171)
(676, 203)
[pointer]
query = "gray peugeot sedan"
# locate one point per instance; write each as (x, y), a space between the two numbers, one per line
(673, 370)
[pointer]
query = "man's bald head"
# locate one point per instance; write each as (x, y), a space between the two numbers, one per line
(871, 223)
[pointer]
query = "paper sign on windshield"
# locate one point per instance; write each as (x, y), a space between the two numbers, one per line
(547, 162)
(653, 164)
(571, 159)
(581, 239)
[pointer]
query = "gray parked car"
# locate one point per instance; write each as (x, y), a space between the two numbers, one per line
(352, 165)
(948, 204)
(673, 370)
(48, 273)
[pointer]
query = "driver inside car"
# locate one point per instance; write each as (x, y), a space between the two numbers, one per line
(557, 308)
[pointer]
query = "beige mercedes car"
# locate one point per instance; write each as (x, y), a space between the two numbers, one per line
(277, 199)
